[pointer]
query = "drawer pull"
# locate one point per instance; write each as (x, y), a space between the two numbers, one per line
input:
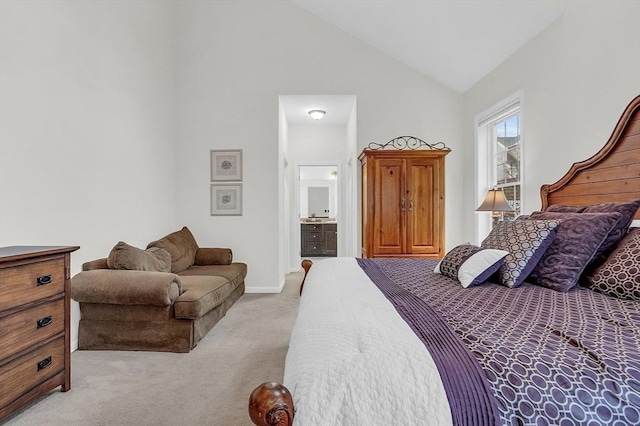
(43, 280)
(43, 322)
(44, 363)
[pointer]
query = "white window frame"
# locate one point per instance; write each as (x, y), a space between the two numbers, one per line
(485, 159)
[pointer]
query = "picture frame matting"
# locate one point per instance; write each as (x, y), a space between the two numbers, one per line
(226, 165)
(226, 199)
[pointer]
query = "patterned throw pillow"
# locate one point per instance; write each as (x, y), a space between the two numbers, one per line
(470, 265)
(526, 241)
(619, 275)
(627, 209)
(560, 208)
(576, 243)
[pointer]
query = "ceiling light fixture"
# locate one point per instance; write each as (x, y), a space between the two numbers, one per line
(317, 114)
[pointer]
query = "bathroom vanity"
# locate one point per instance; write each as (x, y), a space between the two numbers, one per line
(319, 238)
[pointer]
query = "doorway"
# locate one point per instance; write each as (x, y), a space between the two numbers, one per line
(318, 210)
(316, 143)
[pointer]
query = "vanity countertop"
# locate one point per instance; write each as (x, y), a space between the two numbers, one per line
(317, 220)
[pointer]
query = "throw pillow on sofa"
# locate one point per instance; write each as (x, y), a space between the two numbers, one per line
(182, 247)
(125, 256)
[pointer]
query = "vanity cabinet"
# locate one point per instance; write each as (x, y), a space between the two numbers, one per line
(403, 203)
(34, 324)
(319, 239)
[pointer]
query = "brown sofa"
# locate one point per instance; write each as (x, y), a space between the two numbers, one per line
(165, 298)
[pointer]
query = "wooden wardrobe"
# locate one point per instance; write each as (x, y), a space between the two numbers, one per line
(403, 203)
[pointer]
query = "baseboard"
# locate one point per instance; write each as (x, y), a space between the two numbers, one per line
(264, 289)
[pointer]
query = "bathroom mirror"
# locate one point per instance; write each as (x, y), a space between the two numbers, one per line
(318, 201)
(318, 191)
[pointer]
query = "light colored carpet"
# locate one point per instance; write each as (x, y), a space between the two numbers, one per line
(208, 386)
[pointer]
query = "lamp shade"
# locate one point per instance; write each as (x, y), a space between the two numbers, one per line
(495, 201)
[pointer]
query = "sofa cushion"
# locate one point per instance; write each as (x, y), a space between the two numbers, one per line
(124, 256)
(214, 256)
(201, 294)
(235, 272)
(126, 287)
(181, 246)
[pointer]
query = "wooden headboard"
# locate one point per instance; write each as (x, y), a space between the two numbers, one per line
(613, 174)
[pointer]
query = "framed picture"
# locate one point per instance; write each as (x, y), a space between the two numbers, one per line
(226, 199)
(226, 165)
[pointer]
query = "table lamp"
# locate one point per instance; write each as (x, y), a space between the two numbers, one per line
(496, 203)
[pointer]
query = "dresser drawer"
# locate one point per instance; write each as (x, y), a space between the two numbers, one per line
(311, 248)
(31, 369)
(26, 328)
(314, 236)
(312, 227)
(27, 283)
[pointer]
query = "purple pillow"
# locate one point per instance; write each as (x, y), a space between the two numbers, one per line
(628, 210)
(526, 241)
(577, 240)
(619, 275)
(560, 208)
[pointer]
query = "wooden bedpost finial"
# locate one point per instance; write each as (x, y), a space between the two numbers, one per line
(306, 265)
(271, 404)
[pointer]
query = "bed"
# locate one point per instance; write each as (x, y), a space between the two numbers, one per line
(540, 325)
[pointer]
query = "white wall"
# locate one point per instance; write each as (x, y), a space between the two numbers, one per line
(577, 77)
(284, 195)
(86, 135)
(234, 59)
(90, 124)
(351, 230)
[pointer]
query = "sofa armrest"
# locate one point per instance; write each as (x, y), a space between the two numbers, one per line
(214, 256)
(95, 264)
(122, 287)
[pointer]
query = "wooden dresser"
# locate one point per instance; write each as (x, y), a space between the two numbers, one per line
(34, 323)
(403, 203)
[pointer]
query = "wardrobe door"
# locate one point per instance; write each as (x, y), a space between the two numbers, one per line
(423, 207)
(389, 207)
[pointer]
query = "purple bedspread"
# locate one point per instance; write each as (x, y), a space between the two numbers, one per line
(551, 358)
(470, 398)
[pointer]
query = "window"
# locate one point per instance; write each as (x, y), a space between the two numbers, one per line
(507, 158)
(499, 157)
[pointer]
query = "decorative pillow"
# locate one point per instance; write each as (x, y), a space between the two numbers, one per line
(181, 246)
(576, 242)
(627, 210)
(619, 275)
(470, 265)
(526, 241)
(124, 256)
(560, 208)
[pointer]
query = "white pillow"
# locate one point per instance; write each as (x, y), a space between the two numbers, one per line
(470, 265)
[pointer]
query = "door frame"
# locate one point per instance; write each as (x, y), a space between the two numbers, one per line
(294, 224)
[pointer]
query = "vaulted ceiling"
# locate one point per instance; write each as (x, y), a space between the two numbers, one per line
(455, 42)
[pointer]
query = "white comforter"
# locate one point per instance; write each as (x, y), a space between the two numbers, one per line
(353, 361)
